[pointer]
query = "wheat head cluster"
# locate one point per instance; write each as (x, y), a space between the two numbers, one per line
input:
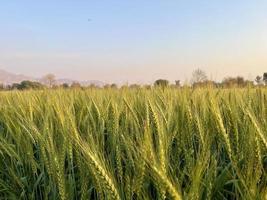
(133, 144)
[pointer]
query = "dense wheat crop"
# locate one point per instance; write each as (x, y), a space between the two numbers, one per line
(134, 144)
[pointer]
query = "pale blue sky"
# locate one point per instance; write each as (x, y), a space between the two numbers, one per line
(135, 41)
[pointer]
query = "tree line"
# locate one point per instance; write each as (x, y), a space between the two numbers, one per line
(35, 85)
(198, 79)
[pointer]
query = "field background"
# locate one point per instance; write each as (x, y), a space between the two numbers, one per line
(134, 144)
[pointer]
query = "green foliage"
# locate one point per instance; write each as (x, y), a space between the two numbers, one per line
(264, 78)
(161, 83)
(134, 144)
(236, 82)
(65, 85)
(25, 85)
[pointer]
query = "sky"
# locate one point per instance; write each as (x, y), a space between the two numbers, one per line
(133, 41)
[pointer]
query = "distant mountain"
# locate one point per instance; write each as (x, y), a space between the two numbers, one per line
(8, 78)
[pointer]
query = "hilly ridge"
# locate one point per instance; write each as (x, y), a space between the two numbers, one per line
(8, 78)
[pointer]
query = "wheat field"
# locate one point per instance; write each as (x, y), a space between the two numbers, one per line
(134, 144)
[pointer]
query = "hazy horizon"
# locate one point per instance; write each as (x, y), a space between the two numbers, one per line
(135, 42)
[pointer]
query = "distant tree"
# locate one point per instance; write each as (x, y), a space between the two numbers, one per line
(14, 86)
(24, 85)
(205, 84)
(236, 82)
(49, 79)
(258, 80)
(114, 85)
(265, 78)
(76, 85)
(134, 86)
(161, 83)
(177, 83)
(198, 76)
(229, 82)
(55, 86)
(2, 87)
(65, 85)
(240, 81)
